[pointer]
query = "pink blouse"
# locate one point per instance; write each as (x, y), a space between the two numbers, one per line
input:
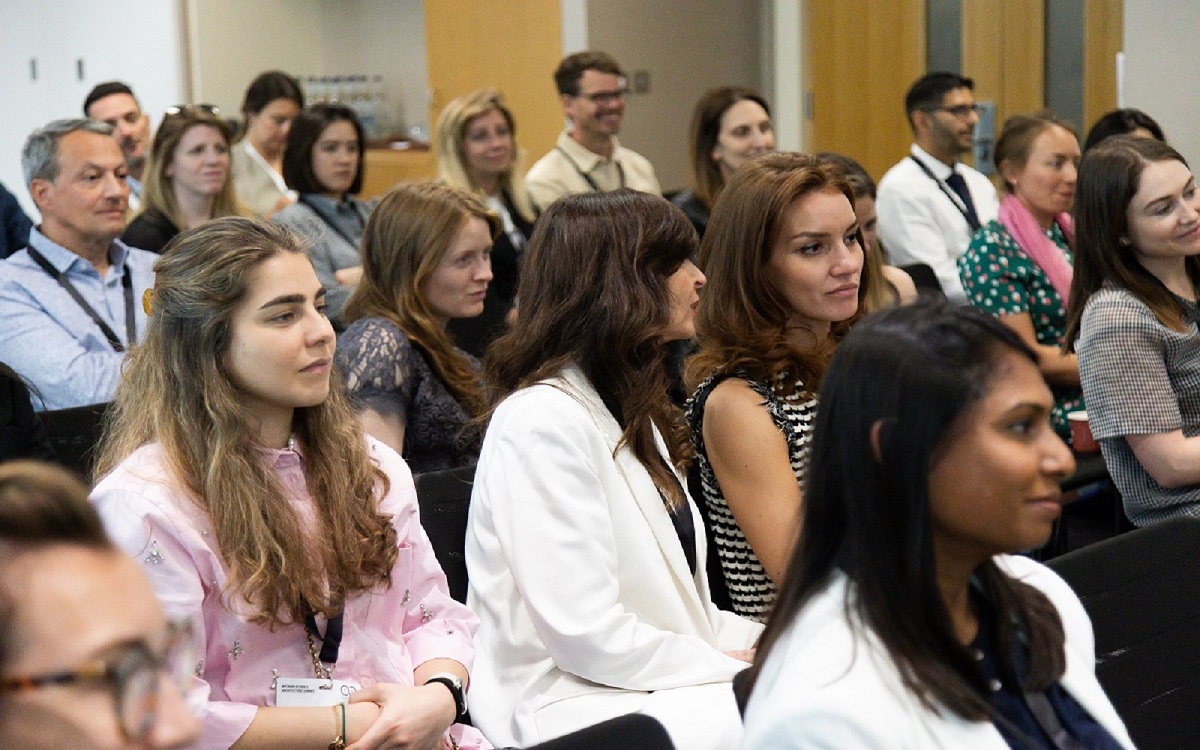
(386, 634)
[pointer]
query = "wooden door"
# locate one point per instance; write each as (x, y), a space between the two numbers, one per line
(511, 46)
(861, 57)
(1103, 38)
(1004, 50)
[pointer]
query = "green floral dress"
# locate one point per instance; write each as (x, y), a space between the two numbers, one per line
(999, 278)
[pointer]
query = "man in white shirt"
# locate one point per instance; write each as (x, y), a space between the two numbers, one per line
(929, 203)
(113, 102)
(587, 156)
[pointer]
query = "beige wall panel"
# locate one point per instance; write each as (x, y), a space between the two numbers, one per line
(687, 47)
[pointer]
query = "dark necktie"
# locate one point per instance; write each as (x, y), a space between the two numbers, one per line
(956, 183)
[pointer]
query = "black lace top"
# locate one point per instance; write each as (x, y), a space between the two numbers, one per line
(386, 373)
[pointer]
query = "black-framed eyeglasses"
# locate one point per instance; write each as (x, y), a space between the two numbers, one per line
(961, 111)
(605, 97)
(187, 109)
(135, 677)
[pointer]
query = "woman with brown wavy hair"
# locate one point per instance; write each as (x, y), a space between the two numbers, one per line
(784, 258)
(236, 474)
(583, 544)
(426, 260)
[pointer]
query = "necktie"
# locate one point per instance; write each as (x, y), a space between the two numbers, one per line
(956, 183)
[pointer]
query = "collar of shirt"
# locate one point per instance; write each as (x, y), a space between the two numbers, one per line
(64, 260)
(344, 206)
(135, 185)
(937, 166)
(585, 159)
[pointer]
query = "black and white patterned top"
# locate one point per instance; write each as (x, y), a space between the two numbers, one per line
(1139, 378)
(384, 372)
(750, 589)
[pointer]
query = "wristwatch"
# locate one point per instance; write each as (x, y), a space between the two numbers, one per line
(455, 685)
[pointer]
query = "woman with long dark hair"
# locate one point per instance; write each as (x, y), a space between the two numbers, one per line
(730, 126)
(903, 620)
(585, 552)
(1133, 320)
(237, 476)
(785, 262)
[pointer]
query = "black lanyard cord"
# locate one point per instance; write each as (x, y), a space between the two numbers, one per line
(331, 642)
(954, 198)
(65, 283)
(588, 178)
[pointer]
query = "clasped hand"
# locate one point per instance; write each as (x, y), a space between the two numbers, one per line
(409, 718)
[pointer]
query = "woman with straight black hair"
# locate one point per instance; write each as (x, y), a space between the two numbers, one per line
(902, 621)
(323, 163)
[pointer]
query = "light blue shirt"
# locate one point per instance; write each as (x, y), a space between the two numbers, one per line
(47, 337)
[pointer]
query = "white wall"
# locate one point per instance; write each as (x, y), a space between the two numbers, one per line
(130, 40)
(385, 37)
(687, 47)
(1162, 76)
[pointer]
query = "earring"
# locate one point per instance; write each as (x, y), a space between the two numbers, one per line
(1124, 241)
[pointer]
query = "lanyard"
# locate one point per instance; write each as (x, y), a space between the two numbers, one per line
(331, 642)
(958, 203)
(332, 224)
(65, 283)
(588, 178)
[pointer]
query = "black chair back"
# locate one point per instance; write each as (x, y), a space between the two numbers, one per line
(924, 279)
(445, 497)
(73, 434)
(622, 733)
(1142, 591)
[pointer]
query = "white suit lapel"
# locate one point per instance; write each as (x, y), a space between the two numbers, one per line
(646, 495)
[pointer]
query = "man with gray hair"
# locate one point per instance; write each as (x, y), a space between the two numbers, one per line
(71, 301)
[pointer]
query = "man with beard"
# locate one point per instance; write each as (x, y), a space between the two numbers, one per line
(587, 156)
(929, 203)
(113, 102)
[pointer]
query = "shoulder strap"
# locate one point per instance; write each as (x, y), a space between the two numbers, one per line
(65, 283)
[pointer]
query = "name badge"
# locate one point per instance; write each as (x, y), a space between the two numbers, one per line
(299, 692)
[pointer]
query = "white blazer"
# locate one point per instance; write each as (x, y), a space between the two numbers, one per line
(577, 574)
(828, 684)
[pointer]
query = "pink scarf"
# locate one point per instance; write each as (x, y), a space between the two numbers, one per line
(1041, 249)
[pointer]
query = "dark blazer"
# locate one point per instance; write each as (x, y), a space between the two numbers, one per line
(16, 224)
(150, 230)
(474, 334)
(21, 431)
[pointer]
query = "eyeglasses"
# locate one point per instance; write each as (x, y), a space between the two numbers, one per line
(186, 109)
(961, 111)
(605, 97)
(134, 677)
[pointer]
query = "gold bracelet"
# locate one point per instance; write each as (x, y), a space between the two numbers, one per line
(339, 741)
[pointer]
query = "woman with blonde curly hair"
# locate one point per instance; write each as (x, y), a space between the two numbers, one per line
(236, 474)
(426, 261)
(477, 151)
